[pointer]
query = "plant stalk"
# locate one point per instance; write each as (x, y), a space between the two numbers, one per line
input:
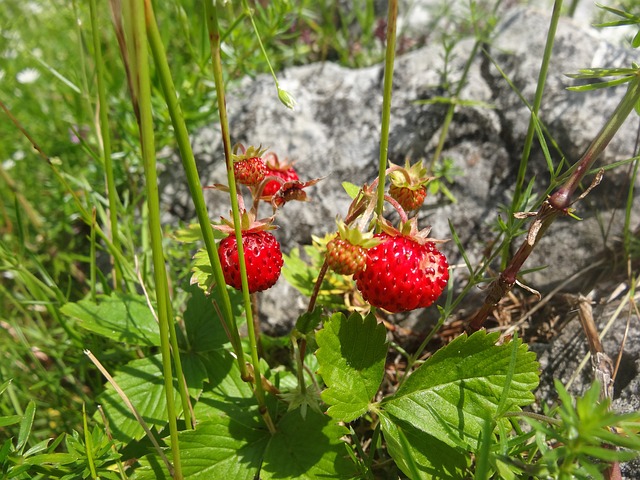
(105, 141)
(537, 101)
(214, 39)
(142, 84)
(392, 17)
(193, 180)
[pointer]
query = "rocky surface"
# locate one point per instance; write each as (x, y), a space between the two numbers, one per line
(334, 132)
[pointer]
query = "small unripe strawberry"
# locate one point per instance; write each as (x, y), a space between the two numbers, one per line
(250, 171)
(347, 251)
(345, 258)
(408, 198)
(408, 185)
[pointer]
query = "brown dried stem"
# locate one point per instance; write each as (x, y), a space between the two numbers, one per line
(557, 204)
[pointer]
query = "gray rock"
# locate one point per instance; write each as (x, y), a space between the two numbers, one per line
(335, 131)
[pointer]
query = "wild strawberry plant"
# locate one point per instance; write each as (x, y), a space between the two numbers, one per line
(200, 398)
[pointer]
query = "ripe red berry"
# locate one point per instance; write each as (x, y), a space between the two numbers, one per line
(250, 171)
(344, 257)
(287, 174)
(262, 257)
(402, 274)
(408, 198)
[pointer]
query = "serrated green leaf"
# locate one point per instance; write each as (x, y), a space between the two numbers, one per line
(225, 447)
(193, 233)
(421, 452)
(121, 317)
(306, 449)
(351, 355)
(454, 392)
(202, 271)
(142, 381)
(202, 323)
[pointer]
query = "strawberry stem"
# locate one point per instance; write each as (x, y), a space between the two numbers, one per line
(214, 39)
(392, 16)
(394, 203)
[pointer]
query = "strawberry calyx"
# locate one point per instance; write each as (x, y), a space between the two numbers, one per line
(240, 153)
(275, 164)
(356, 236)
(414, 177)
(292, 190)
(408, 229)
(248, 224)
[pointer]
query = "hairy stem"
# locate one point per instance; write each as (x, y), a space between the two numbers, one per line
(392, 17)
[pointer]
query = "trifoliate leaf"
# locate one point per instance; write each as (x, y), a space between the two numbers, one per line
(454, 392)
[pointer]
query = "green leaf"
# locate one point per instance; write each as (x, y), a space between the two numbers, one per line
(307, 448)
(225, 394)
(351, 189)
(142, 382)
(225, 447)
(419, 452)
(202, 271)
(238, 447)
(202, 322)
(10, 420)
(458, 389)
(25, 425)
(121, 317)
(302, 277)
(193, 233)
(308, 321)
(351, 354)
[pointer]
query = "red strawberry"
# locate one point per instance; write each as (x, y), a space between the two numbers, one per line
(250, 171)
(402, 274)
(276, 168)
(262, 256)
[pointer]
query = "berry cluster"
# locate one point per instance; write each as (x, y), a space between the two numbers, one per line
(396, 269)
(275, 182)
